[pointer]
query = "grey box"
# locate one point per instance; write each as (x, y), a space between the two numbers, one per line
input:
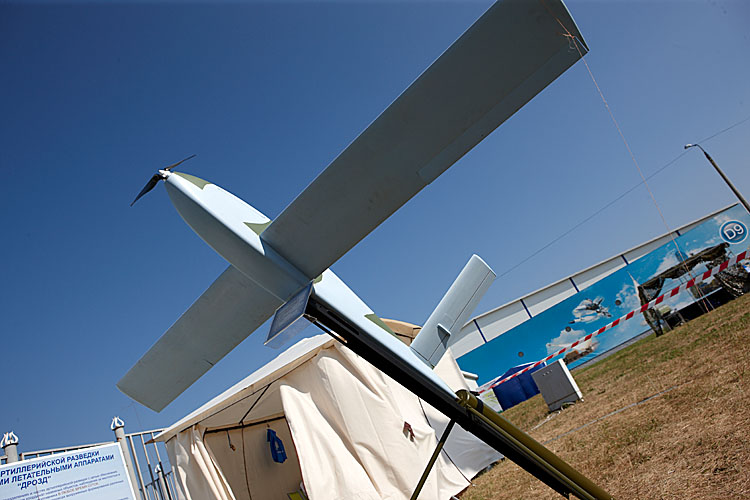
(557, 385)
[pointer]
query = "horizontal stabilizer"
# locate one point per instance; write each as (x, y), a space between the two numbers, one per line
(443, 326)
(507, 57)
(230, 310)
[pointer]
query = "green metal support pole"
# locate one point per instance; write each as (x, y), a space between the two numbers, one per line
(433, 458)
(579, 484)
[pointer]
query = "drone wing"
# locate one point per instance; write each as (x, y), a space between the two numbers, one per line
(507, 57)
(227, 312)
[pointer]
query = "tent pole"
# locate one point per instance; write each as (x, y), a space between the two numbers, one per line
(433, 458)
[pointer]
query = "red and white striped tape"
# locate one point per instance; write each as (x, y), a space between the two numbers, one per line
(658, 300)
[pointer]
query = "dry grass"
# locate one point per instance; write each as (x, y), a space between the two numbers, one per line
(692, 442)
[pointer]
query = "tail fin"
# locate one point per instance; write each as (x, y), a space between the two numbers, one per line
(444, 324)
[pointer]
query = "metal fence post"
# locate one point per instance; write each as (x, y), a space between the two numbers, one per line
(118, 426)
(162, 482)
(157, 493)
(160, 472)
(9, 443)
(141, 484)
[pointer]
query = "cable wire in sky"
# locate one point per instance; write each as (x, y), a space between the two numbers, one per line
(615, 200)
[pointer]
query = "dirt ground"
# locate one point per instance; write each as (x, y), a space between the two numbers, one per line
(691, 440)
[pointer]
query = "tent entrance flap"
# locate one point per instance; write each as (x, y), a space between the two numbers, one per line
(244, 456)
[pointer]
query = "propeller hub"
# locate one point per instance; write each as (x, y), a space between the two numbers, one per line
(161, 175)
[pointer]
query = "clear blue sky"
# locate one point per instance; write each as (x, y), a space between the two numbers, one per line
(95, 97)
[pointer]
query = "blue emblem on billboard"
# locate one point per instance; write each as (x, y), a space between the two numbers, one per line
(733, 231)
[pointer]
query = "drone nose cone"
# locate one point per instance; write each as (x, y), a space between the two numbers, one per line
(186, 182)
(212, 212)
(232, 228)
(188, 190)
(206, 196)
(187, 193)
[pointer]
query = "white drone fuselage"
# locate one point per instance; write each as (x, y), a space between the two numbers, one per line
(232, 227)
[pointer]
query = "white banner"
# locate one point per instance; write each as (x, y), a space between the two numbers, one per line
(88, 474)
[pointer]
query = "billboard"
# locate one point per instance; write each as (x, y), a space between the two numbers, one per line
(710, 243)
(86, 474)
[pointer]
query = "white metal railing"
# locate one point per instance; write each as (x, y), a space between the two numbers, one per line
(158, 482)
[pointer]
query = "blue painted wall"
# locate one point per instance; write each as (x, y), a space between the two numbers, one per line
(558, 326)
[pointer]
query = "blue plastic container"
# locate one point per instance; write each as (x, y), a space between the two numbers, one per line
(518, 389)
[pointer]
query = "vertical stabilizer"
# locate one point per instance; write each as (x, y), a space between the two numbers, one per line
(444, 324)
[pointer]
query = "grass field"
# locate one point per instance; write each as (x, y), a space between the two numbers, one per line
(690, 441)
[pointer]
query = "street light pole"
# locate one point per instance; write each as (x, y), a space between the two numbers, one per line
(723, 176)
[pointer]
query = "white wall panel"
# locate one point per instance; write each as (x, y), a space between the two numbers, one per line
(548, 297)
(502, 319)
(588, 277)
(638, 252)
(470, 340)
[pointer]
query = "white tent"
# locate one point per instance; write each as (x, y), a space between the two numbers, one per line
(350, 432)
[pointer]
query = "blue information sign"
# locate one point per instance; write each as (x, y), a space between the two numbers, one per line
(93, 473)
(733, 231)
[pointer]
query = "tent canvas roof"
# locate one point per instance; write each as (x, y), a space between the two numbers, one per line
(219, 411)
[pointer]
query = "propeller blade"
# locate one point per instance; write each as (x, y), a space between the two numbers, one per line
(151, 184)
(175, 164)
